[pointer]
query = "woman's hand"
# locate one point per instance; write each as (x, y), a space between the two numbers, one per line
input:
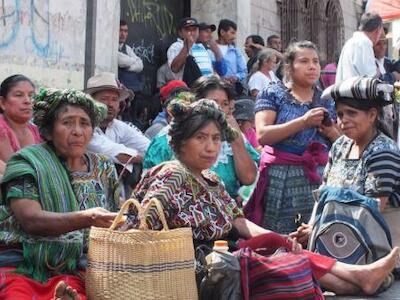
(2, 168)
(296, 247)
(230, 119)
(100, 217)
(302, 233)
(314, 117)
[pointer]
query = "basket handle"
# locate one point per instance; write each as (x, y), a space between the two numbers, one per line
(160, 211)
(125, 208)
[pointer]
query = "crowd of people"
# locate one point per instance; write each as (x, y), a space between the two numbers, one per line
(69, 158)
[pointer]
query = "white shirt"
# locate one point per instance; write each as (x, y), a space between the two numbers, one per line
(173, 52)
(119, 138)
(259, 81)
(381, 65)
(357, 58)
(129, 60)
(223, 49)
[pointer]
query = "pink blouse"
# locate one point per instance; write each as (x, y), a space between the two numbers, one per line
(6, 132)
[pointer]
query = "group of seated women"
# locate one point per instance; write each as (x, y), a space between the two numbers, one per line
(53, 192)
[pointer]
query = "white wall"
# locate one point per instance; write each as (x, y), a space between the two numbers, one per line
(352, 10)
(265, 19)
(107, 35)
(45, 40)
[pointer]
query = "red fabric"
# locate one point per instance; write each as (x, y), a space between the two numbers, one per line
(328, 75)
(166, 89)
(15, 286)
(283, 276)
(314, 155)
(387, 9)
(6, 132)
(268, 243)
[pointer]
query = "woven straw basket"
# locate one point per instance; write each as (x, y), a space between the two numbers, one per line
(141, 264)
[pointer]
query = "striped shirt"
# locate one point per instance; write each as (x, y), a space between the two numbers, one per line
(202, 59)
(375, 174)
(199, 53)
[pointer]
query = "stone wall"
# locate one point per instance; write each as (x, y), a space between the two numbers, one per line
(262, 16)
(211, 11)
(265, 18)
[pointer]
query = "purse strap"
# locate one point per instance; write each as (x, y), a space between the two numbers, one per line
(142, 213)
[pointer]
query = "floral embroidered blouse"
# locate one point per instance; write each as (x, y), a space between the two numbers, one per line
(160, 151)
(375, 174)
(188, 201)
(277, 97)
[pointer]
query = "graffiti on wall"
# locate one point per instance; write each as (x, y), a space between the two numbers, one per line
(37, 17)
(42, 39)
(152, 28)
(152, 14)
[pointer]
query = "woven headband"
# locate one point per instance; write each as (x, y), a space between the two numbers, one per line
(361, 89)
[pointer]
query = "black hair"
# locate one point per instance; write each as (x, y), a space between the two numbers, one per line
(204, 85)
(188, 128)
(370, 22)
(365, 106)
(270, 38)
(122, 23)
(142, 110)
(12, 81)
(256, 39)
(225, 24)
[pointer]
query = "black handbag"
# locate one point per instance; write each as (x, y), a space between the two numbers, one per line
(191, 71)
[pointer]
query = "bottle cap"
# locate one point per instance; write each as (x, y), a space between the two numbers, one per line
(220, 243)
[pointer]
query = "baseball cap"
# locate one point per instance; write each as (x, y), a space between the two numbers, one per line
(204, 26)
(186, 22)
(166, 89)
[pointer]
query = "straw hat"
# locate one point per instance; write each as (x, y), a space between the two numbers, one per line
(105, 81)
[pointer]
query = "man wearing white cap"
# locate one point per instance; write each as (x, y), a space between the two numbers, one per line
(121, 142)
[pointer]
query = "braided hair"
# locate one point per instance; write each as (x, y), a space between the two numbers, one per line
(189, 118)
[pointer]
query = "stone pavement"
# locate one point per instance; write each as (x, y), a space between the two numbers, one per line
(391, 294)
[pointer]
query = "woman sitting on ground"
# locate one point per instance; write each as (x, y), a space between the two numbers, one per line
(236, 163)
(364, 159)
(16, 131)
(193, 196)
(50, 194)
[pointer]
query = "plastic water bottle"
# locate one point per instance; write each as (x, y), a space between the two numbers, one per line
(221, 246)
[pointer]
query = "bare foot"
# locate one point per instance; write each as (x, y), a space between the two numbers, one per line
(374, 274)
(65, 292)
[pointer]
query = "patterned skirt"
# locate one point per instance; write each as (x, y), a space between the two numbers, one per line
(288, 197)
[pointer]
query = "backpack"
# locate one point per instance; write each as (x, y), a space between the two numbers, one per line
(349, 227)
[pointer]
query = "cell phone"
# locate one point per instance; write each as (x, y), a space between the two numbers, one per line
(327, 121)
